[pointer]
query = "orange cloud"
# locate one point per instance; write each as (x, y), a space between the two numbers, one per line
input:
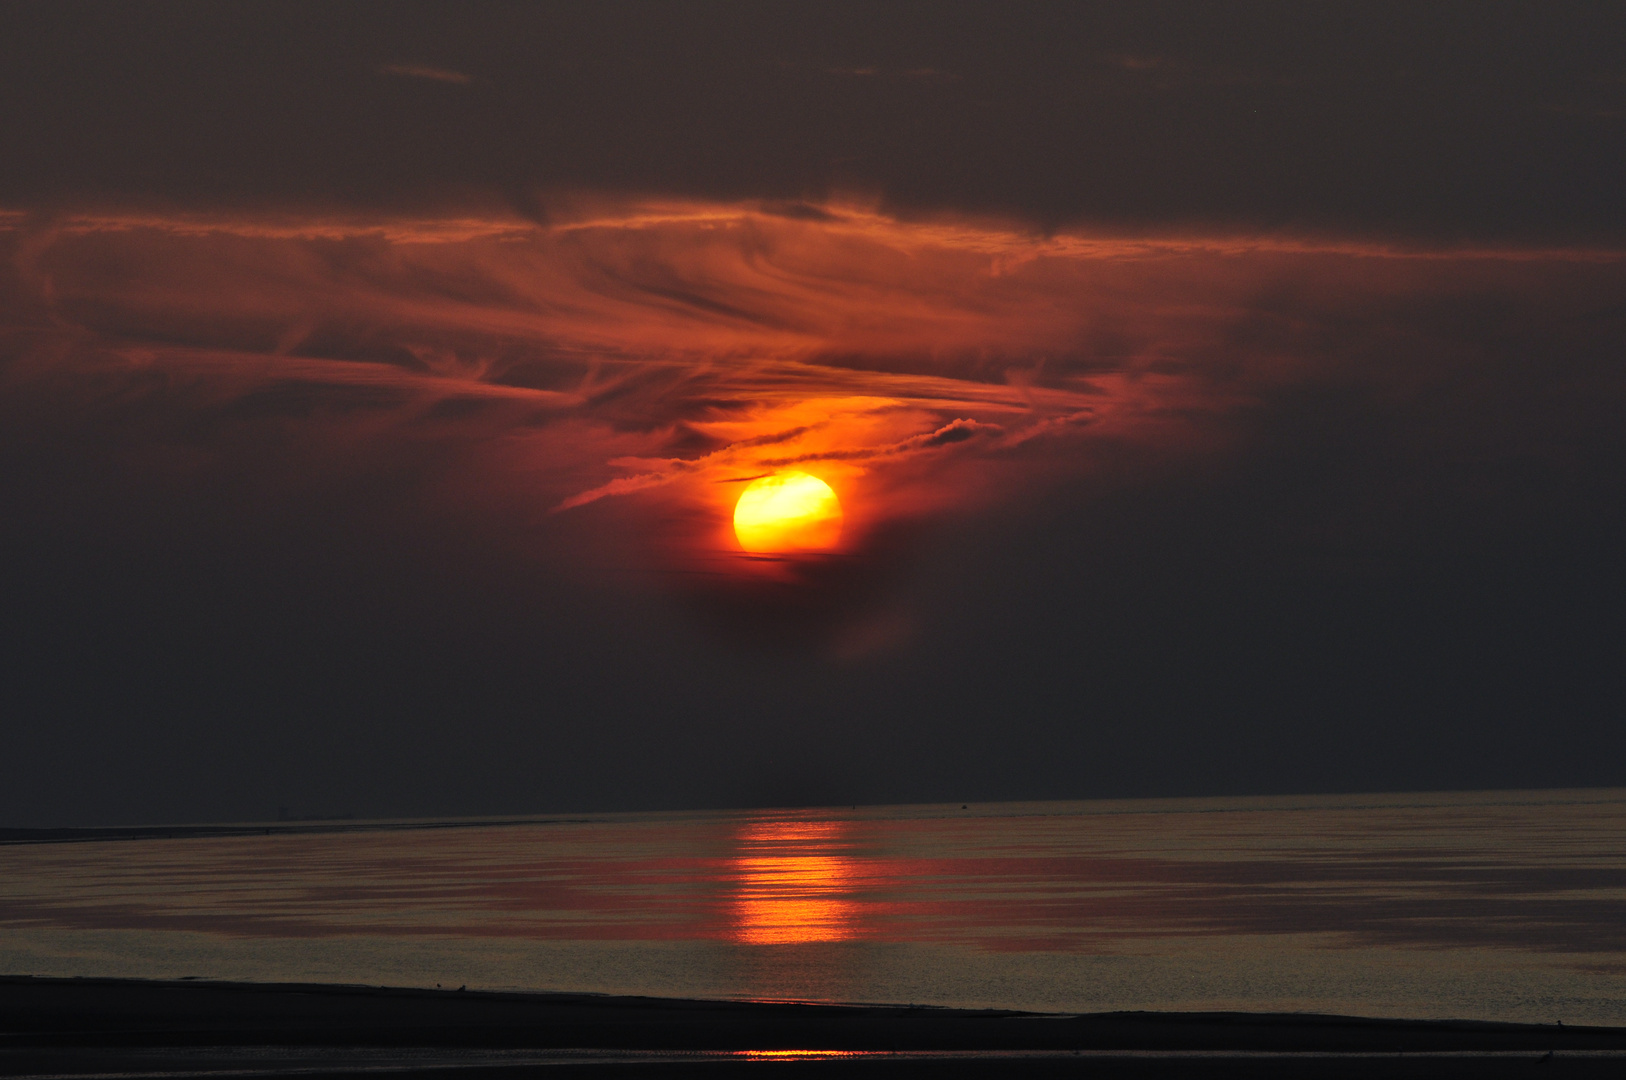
(666, 351)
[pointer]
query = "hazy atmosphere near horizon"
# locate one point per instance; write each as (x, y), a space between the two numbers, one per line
(457, 409)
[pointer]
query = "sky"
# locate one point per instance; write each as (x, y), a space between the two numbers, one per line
(1221, 399)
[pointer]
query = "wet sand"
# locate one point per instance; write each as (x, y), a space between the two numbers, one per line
(83, 1028)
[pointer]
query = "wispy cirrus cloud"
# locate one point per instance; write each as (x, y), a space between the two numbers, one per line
(664, 350)
(426, 71)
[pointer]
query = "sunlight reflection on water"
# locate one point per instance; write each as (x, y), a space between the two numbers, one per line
(1506, 905)
(792, 887)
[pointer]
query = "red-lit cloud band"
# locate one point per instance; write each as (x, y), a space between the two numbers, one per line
(665, 352)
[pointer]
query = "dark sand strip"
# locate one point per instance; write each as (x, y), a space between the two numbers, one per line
(76, 1029)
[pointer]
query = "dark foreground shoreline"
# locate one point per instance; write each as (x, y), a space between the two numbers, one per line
(82, 1028)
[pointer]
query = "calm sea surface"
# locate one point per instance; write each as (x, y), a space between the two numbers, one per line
(1498, 905)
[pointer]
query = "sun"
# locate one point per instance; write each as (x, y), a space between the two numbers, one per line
(788, 511)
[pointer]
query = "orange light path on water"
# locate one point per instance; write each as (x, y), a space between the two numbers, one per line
(803, 1055)
(785, 897)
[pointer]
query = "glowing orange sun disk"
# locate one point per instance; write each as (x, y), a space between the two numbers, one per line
(788, 511)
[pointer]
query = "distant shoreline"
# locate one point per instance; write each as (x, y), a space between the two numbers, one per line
(88, 1027)
(318, 824)
(289, 827)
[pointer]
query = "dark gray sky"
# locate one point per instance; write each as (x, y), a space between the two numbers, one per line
(1454, 120)
(1226, 399)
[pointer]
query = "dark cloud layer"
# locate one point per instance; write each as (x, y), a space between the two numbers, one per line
(1442, 119)
(1220, 401)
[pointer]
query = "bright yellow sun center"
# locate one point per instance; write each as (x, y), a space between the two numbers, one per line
(789, 511)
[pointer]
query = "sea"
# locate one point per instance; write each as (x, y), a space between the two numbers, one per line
(1505, 905)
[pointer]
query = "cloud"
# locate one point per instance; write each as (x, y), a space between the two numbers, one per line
(424, 71)
(914, 74)
(662, 350)
(953, 432)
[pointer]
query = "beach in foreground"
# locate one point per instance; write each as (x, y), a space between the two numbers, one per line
(83, 1028)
